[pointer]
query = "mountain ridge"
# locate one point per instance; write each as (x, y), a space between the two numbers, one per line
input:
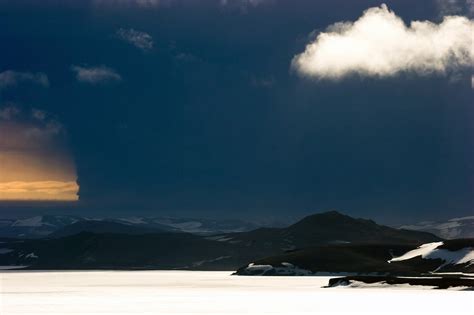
(44, 226)
(460, 227)
(227, 251)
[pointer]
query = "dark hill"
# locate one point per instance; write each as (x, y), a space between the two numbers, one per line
(327, 228)
(112, 245)
(117, 251)
(361, 258)
(336, 227)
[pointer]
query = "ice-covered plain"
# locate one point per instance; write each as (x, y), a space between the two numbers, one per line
(209, 293)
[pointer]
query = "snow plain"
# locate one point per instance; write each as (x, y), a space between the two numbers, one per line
(210, 293)
(431, 251)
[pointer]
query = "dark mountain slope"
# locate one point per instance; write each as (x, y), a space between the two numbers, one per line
(450, 256)
(326, 228)
(336, 227)
(118, 246)
(117, 251)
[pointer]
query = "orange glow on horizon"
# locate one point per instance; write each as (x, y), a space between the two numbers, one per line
(35, 162)
(39, 190)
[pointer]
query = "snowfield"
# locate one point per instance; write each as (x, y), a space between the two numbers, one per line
(210, 293)
(432, 251)
(403, 286)
(30, 222)
(287, 269)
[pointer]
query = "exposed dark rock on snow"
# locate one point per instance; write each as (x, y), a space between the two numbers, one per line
(435, 282)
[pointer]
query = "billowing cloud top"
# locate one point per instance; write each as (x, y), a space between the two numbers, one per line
(95, 75)
(380, 44)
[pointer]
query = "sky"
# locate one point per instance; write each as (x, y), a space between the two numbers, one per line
(237, 109)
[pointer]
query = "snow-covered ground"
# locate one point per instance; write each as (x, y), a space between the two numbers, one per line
(33, 221)
(209, 293)
(402, 286)
(432, 251)
(287, 269)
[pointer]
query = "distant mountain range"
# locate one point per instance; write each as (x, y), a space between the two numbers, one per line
(62, 225)
(89, 244)
(450, 229)
(35, 227)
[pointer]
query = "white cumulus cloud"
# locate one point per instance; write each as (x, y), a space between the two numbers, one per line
(141, 40)
(380, 44)
(95, 75)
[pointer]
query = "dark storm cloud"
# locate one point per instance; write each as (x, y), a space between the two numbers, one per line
(39, 127)
(35, 164)
(455, 7)
(140, 3)
(9, 112)
(244, 3)
(156, 3)
(241, 5)
(10, 78)
(211, 121)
